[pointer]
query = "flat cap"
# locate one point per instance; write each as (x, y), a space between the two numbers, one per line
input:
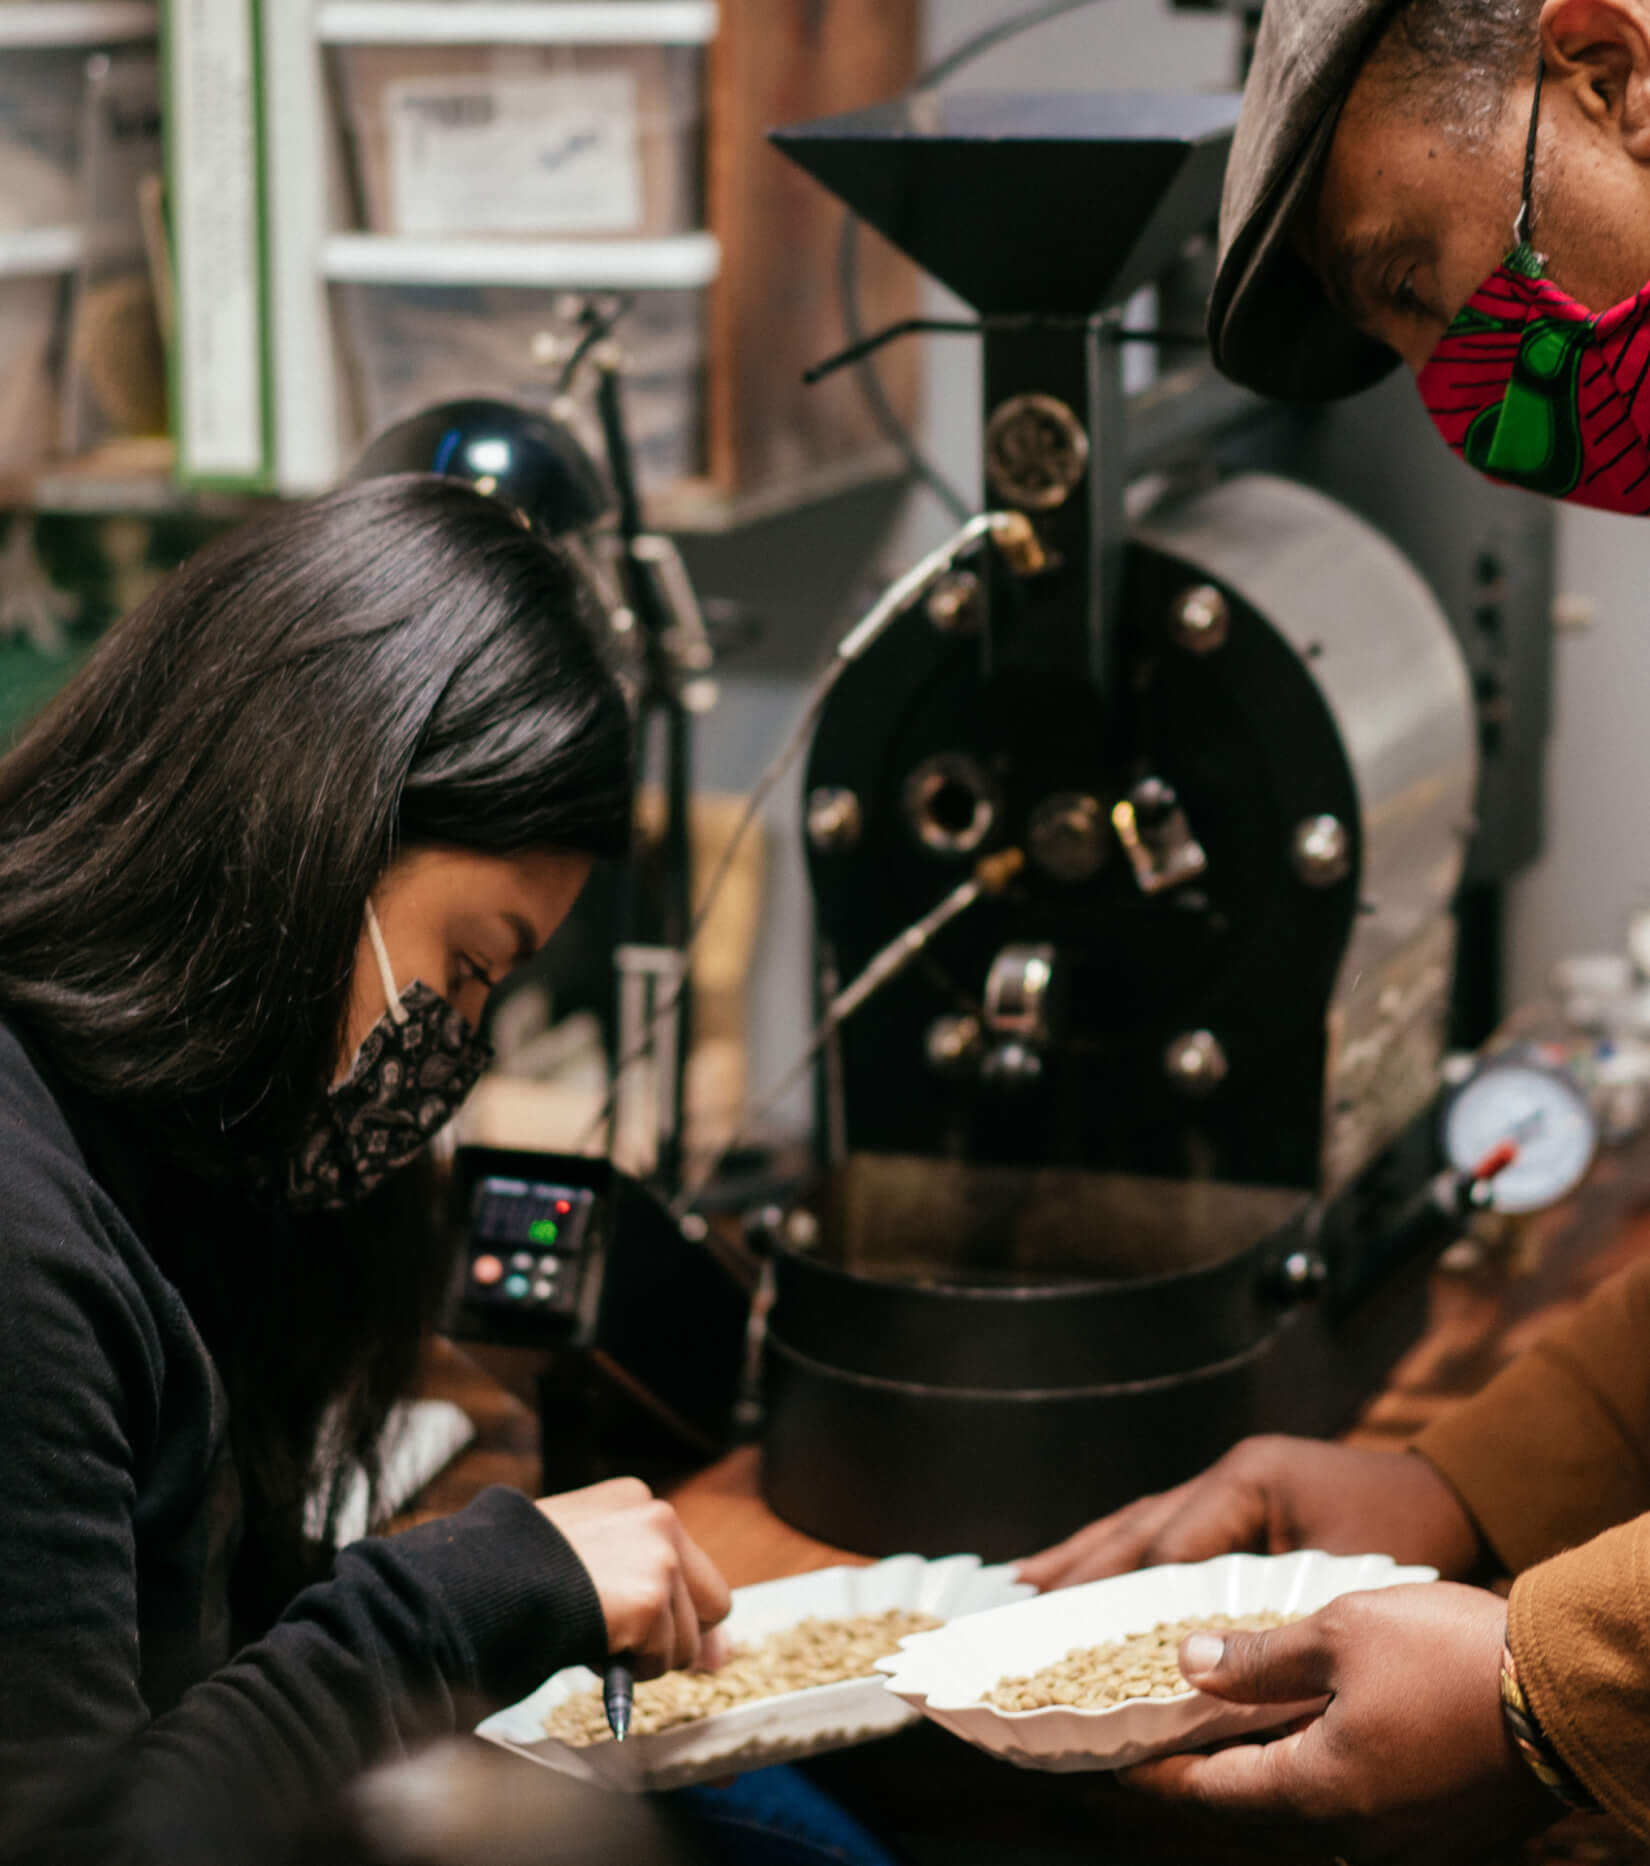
(1271, 327)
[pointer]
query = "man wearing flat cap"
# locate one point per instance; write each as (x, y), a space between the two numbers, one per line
(1463, 187)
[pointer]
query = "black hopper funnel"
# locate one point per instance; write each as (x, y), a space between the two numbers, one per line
(1059, 205)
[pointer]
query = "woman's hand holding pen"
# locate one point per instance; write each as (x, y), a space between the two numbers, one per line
(660, 1592)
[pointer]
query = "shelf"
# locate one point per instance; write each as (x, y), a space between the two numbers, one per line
(135, 477)
(516, 22)
(30, 252)
(77, 22)
(767, 442)
(684, 261)
(131, 476)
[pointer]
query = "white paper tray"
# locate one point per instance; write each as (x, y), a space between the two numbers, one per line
(946, 1673)
(770, 1730)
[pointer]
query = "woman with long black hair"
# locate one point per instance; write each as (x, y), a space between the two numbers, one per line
(259, 866)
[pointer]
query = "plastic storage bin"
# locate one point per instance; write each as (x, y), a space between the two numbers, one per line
(554, 141)
(115, 375)
(42, 91)
(410, 345)
(32, 316)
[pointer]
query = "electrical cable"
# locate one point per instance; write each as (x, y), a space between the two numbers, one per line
(975, 327)
(871, 388)
(886, 416)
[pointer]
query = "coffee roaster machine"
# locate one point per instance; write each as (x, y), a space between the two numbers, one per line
(1139, 821)
(1137, 1154)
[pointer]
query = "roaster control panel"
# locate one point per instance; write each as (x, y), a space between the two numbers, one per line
(526, 1244)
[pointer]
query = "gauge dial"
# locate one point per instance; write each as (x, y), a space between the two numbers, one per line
(1542, 1112)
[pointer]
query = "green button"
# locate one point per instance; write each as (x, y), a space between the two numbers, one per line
(544, 1230)
(515, 1286)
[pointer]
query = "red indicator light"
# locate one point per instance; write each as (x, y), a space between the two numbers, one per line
(563, 1207)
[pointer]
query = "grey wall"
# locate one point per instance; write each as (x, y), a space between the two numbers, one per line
(1597, 863)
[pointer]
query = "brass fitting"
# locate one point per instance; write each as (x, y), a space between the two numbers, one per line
(1016, 537)
(995, 872)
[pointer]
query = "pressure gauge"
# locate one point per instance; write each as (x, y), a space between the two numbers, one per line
(1520, 1099)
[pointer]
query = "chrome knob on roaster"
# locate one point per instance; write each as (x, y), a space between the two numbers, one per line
(1152, 827)
(1021, 1012)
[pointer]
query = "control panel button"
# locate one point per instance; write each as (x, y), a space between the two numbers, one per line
(523, 1260)
(549, 1266)
(486, 1271)
(515, 1287)
(543, 1289)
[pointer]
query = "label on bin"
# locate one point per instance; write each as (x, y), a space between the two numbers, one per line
(493, 154)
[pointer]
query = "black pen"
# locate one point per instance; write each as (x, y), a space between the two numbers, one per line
(618, 1692)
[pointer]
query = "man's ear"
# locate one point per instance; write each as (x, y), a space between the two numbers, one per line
(1598, 52)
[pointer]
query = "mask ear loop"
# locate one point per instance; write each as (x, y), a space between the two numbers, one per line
(1524, 258)
(398, 1011)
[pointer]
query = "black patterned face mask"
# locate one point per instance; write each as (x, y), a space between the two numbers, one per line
(412, 1071)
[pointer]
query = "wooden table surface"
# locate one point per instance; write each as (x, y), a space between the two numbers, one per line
(1480, 1317)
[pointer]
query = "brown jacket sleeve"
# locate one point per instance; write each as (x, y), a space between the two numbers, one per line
(1552, 1460)
(1579, 1626)
(1557, 1447)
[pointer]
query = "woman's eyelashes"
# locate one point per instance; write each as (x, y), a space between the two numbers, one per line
(468, 970)
(491, 951)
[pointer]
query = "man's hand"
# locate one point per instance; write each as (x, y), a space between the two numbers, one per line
(1268, 1496)
(1409, 1761)
(659, 1590)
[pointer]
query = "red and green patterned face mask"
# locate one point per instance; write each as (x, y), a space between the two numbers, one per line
(1534, 389)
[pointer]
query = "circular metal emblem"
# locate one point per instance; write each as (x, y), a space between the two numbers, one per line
(1035, 452)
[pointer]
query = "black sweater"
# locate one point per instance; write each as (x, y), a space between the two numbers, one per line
(123, 1709)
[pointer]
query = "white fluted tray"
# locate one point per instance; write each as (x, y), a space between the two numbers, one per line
(946, 1673)
(769, 1730)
